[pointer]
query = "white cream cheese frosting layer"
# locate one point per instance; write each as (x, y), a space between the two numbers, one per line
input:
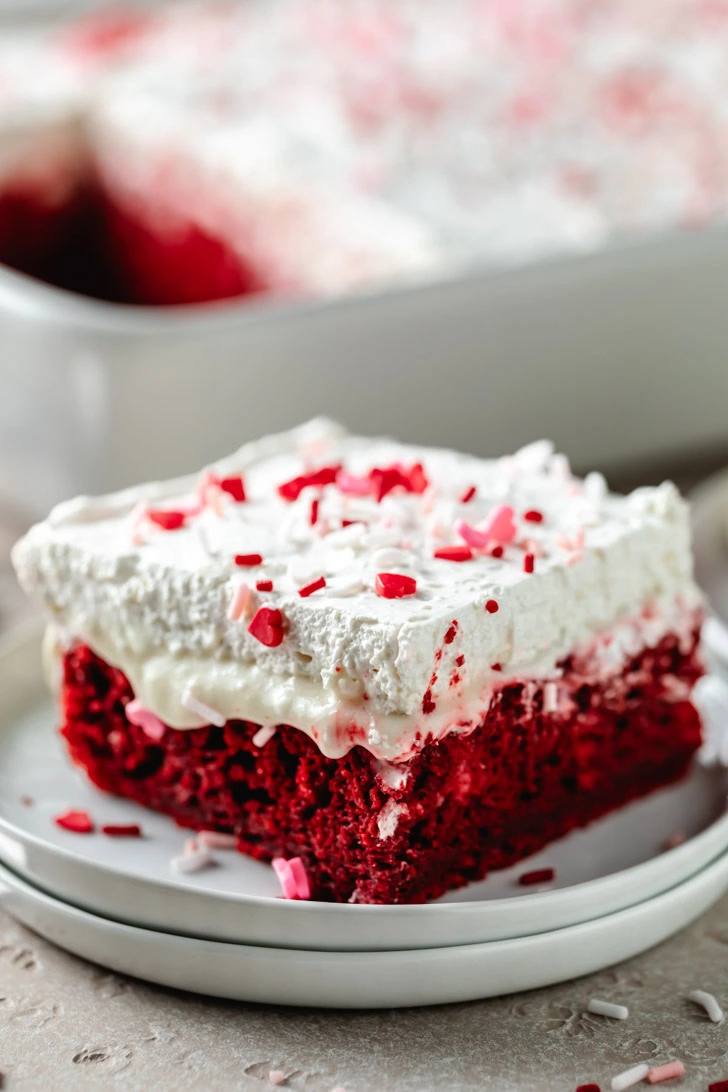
(354, 667)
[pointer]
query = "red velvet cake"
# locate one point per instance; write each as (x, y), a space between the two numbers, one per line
(398, 667)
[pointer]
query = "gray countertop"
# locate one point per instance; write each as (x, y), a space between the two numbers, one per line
(66, 1024)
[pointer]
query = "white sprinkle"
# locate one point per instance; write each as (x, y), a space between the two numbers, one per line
(606, 1008)
(383, 536)
(388, 819)
(302, 570)
(550, 697)
(337, 561)
(192, 862)
(239, 602)
(346, 536)
(345, 587)
(629, 1077)
(595, 487)
(559, 467)
(216, 839)
(389, 555)
(208, 714)
(263, 735)
(709, 1003)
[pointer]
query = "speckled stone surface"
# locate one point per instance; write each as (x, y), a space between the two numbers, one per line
(69, 1025)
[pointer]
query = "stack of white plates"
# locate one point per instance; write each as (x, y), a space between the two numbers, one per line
(224, 931)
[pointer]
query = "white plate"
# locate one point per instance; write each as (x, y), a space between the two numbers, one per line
(615, 863)
(431, 976)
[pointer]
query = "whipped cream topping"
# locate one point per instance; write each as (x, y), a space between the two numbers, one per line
(581, 570)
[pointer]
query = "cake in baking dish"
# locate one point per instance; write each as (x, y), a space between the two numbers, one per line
(402, 665)
(308, 147)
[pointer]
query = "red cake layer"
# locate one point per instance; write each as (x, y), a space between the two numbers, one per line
(96, 246)
(470, 803)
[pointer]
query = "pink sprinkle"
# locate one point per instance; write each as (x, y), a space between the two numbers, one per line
(143, 718)
(353, 484)
(666, 1072)
(474, 537)
(216, 839)
(303, 887)
(498, 526)
(239, 603)
(202, 710)
(292, 878)
(264, 735)
(276, 1076)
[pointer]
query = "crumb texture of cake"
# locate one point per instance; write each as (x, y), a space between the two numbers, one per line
(403, 665)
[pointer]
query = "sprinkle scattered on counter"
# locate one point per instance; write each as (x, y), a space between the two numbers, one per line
(606, 1008)
(709, 1003)
(629, 1077)
(666, 1072)
(277, 1076)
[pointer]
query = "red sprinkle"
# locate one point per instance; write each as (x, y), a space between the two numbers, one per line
(718, 1086)
(394, 585)
(168, 521)
(497, 551)
(314, 511)
(454, 553)
(451, 633)
(122, 830)
(539, 875)
(80, 822)
(387, 478)
(264, 585)
(267, 626)
(247, 560)
(491, 606)
(309, 589)
(533, 516)
(496, 667)
(292, 489)
(428, 705)
(468, 495)
(235, 487)
(528, 563)
(588, 1088)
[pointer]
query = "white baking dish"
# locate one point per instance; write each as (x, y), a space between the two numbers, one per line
(616, 356)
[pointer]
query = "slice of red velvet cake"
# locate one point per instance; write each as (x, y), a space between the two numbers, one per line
(403, 666)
